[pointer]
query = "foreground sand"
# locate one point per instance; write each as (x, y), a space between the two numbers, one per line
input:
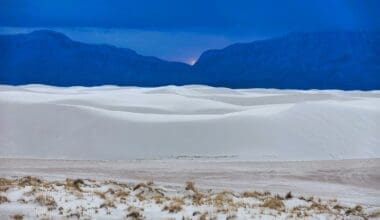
(323, 189)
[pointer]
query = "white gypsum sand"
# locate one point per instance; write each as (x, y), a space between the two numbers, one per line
(121, 123)
(222, 139)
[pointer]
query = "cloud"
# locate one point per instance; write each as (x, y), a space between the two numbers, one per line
(234, 17)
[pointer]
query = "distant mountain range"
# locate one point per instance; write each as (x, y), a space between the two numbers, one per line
(323, 60)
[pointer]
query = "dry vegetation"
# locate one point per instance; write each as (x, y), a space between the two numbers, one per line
(173, 207)
(110, 197)
(3, 199)
(45, 200)
(274, 203)
(134, 213)
(17, 217)
(74, 184)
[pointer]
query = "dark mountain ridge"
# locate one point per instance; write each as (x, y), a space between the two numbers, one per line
(322, 60)
(326, 60)
(48, 57)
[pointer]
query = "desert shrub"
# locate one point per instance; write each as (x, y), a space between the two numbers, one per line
(190, 186)
(45, 200)
(320, 207)
(231, 217)
(222, 198)
(198, 198)
(139, 185)
(4, 188)
(274, 203)
(3, 199)
(310, 199)
(355, 210)
(173, 207)
(204, 216)
(107, 204)
(338, 207)
(279, 197)
(121, 193)
(17, 217)
(5, 184)
(255, 194)
(289, 195)
(74, 184)
(29, 181)
(101, 194)
(150, 183)
(374, 214)
(135, 213)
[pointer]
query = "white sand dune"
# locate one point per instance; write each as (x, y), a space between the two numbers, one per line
(112, 122)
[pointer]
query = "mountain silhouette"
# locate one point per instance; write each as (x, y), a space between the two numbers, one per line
(321, 60)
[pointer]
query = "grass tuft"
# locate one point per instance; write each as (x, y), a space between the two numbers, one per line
(74, 184)
(3, 199)
(17, 217)
(289, 195)
(191, 186)
(274, 203)
(134, 213)
(45, 200)
(107, 204)
(357, 210)
(29, 181)
(139, 185)
(173, 207)
(255, 194)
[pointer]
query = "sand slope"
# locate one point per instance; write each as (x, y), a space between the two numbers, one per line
(127, 123)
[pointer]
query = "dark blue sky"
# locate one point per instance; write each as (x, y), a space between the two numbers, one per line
(182, 29)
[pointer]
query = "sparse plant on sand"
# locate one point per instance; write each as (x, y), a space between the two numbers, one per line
(139, 185)
(174, 206)
(288, 195)
(3, 199)
(102, 195)
(274, 203)
(74, 184)
(190, 186)
(134, 213)
(108, 204)
(46, 200)
(29, 181)
(5, 184)
(355, 210)
(255, 194)
(17, 217)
